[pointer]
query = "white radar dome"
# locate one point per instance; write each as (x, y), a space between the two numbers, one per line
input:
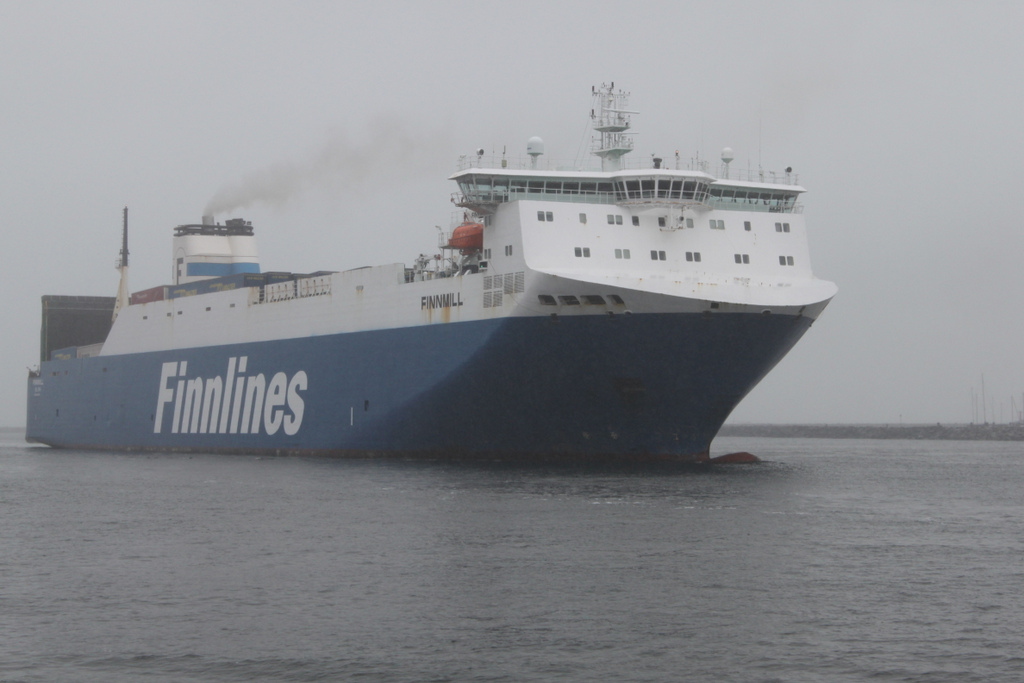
(727, 155)
(535, 146)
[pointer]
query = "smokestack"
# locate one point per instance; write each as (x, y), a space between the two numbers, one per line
(208, 220)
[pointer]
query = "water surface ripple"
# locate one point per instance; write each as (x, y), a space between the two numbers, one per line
(834, 560)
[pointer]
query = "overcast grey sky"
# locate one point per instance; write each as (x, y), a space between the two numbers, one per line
(903, 120)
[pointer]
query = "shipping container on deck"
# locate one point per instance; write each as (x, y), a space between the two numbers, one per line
(158, 293)
(217, 284)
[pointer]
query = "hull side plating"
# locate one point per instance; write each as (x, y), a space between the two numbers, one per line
(623, 386)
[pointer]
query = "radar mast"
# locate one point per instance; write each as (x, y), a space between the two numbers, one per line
(610, 118)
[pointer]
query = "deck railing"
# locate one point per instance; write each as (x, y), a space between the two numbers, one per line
(505, 162)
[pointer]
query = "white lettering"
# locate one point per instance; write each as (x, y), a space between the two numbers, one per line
(295, 403)
(211, 405)
(236, 404)
(253, 410)
(165, 395)
(176, 423)
(225, 412)
(193, 401)
(233, 403)
(273, 412)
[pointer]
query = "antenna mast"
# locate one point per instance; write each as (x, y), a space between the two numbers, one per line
(610, 118)
(124, 240)
(122, 266)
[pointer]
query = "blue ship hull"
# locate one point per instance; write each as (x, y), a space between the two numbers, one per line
(645, 386)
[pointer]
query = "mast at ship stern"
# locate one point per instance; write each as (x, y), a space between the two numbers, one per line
(122, 267)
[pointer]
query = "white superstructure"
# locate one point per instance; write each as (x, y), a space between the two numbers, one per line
(638, 240)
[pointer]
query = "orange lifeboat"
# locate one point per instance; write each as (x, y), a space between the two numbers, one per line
(467, 236)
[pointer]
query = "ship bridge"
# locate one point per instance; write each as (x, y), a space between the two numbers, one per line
(483, 189)
(487, 182)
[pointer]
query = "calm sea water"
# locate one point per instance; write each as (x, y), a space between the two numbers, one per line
(834, 560)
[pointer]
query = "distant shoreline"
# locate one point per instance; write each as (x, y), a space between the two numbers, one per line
(929, 432)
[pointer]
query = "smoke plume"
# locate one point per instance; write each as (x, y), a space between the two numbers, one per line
(341, 164)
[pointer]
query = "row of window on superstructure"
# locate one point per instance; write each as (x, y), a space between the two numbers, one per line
(616, 219)
(691, 256)
(491, 189)
(502, 188)
(747, 198)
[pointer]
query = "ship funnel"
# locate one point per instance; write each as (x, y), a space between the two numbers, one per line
(209, 250)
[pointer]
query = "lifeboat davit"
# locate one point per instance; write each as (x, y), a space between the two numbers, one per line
(467, 236)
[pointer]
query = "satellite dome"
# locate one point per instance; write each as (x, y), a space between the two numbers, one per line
(535, 146)
(727, 155)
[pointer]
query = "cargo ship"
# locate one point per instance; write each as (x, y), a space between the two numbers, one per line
(618, 312)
